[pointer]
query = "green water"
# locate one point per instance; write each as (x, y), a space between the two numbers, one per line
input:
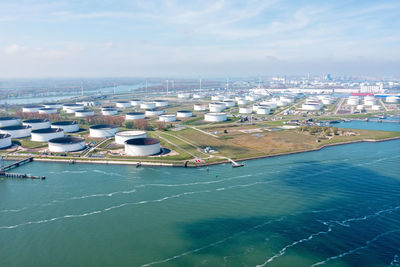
(339, 206)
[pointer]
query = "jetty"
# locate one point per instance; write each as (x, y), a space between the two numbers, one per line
(3, 170)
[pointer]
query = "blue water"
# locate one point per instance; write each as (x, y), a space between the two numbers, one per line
(336, 207)
(368, 125)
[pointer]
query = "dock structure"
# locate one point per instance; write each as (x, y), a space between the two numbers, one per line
(3, 170)
(16, 164)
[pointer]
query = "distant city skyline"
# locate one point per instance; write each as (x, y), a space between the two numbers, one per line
(44, 38)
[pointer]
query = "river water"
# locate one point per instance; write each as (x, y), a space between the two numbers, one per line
(336, 207)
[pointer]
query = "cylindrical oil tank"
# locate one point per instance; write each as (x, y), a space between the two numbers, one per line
(134, 116)
(17, 131)
(5, 141)
(136, 102)
(148, 105)
(142, 147)
(48, 110)
(121, 137)
(9, 121)
(109, 111)
(263, 111)
(184, 114)
(83, 113)
(215, 117)
(37, 124)
(53, 105)
(392, 99)
(161, 103)
(217, 97)
(44, 135)
(103, 130)
(66, 144)
(67, 126)
(31, 108)
(245, 110)
(70, 108)
(229, 103)
(199, 107)
(123, 104)
(153, 112)
(216, 107)
(167, 118)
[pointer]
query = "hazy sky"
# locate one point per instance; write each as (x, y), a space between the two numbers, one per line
(44, 38)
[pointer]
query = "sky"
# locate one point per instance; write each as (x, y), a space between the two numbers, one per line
(199, 38)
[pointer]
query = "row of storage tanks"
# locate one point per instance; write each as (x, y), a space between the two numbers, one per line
(41, 130)
(360, 104)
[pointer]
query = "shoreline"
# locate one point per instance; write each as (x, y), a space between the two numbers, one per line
(182, 165)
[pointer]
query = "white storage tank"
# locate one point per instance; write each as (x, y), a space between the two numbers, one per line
(148, 105)
(142, 146)
(123, 104)
(184, 114)
(44, 135)
(217, 97)
(70, 108)
(184, 95)
(5, 141)
(66, 144)
(270, 104)
(17, 131)
(251, 98)
(215, 117)
(199, 107)
(287, 99)
(31, 108)
(216, 107)
(48, 111)
(245, 110)
(109, 111)
(311, 106)
(136, 102)
(121, 137)
(84, 113)
(369, 100)
(353, 101)
(67, 126)
(376, 107)
(9, 121)
(53, 105)
(161, 103)
(282, 103)
(37, 124)
(255, 107)
(229, 103)
(198, 96)
(103, 130)
(134, 116)
(392, 99)
(242, 102)
(153, 112)
(167, 118)
(360, 107)
(263, 111)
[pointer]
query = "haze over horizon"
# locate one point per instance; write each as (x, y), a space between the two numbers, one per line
(43, 38)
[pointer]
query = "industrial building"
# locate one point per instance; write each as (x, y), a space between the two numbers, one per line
(66, 144)
(121, 137)
(103, 130)
(44, 135)
(142, 146)
(67, 126)
(37, 124)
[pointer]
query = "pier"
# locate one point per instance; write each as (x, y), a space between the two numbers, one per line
(3, 170)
